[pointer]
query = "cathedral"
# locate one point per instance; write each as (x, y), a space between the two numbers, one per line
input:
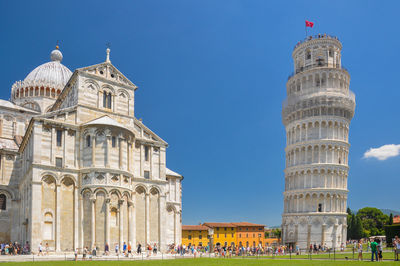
(77, 169)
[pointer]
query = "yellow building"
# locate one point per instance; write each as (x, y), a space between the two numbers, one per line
(194, 235)
(227, 234)
(224, 234)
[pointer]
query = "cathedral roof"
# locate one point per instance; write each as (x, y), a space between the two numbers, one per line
(52, 74)
(105, 120)
(172, 173)
(10, 105)
(8, 144)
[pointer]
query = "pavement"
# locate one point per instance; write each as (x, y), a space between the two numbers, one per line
(71, 256)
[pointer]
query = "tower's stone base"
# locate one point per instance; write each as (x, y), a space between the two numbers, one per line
(328, 230)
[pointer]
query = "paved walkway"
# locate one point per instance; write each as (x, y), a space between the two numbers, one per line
(70, 256)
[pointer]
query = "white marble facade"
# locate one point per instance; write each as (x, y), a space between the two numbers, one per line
(78, 169)
(317, 115)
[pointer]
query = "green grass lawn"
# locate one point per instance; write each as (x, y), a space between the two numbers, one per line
(203, 261)
(340, 255)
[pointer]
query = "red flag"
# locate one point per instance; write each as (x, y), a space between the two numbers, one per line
(309, 24)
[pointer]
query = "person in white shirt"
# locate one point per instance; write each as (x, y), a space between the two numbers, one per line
(40, 249)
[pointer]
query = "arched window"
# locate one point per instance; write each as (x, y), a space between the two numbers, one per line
(3, 202)
(88, 140)
(308, 54)
(107, 99)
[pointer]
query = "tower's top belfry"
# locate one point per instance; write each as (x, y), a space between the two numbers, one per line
(318, 74)
(320, 50)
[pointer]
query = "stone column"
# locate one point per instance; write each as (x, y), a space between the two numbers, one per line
(151, 161)
(93, 150)
(128, 157)
(131, 226)
(319, 127)
(344, 232)
(53, 145)
(76, 217)
(58, 220)
(141, 159)
(334, 235)
(121, 222)
(108, 140)
(120, 153)
(323, 234)
(35, 229)
(80, 223)
(176, 222)
(108, 221)
(296, 233)
(308, 235)
(147, 218)
(286, 233)
(161, 216)
(64, 147)
(93, 225)
(295, 158)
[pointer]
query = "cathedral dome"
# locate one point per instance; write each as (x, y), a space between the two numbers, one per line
(52, 74)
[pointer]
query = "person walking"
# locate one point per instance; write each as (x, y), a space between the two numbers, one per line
(47, 249)
(85, 251)
(107, 249)
(40, 249)
(76, 254)
(139, 249)
(360, 250)
(124, 248)
(116, 249)
(129, 249)
(380, 250)
(397, 247)
(155, 249)
(374, 250)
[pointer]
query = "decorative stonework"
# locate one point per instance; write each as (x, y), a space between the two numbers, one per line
(76, 162)
(317, 115)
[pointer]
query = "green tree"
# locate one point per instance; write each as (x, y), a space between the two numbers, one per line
(391, 219)
(349, 227)
(351, 231)
(349, 211)
(358, 228)
(372, 221)
(277, 232)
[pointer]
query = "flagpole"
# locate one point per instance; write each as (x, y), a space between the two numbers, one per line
(305, 24)
(306, 31)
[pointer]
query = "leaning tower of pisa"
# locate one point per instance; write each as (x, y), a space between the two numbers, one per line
(317, 114)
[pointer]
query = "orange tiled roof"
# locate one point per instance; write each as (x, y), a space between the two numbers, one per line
(396, 219)
(248, 224)
(212, 225)
(194, 227)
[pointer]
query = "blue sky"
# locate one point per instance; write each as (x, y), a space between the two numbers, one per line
(211, 77)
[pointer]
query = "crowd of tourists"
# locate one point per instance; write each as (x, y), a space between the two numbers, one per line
(229, 251)
(375, 246)
(14, 248)
(125, 250)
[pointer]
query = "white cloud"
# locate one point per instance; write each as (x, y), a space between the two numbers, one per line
(383, 152)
